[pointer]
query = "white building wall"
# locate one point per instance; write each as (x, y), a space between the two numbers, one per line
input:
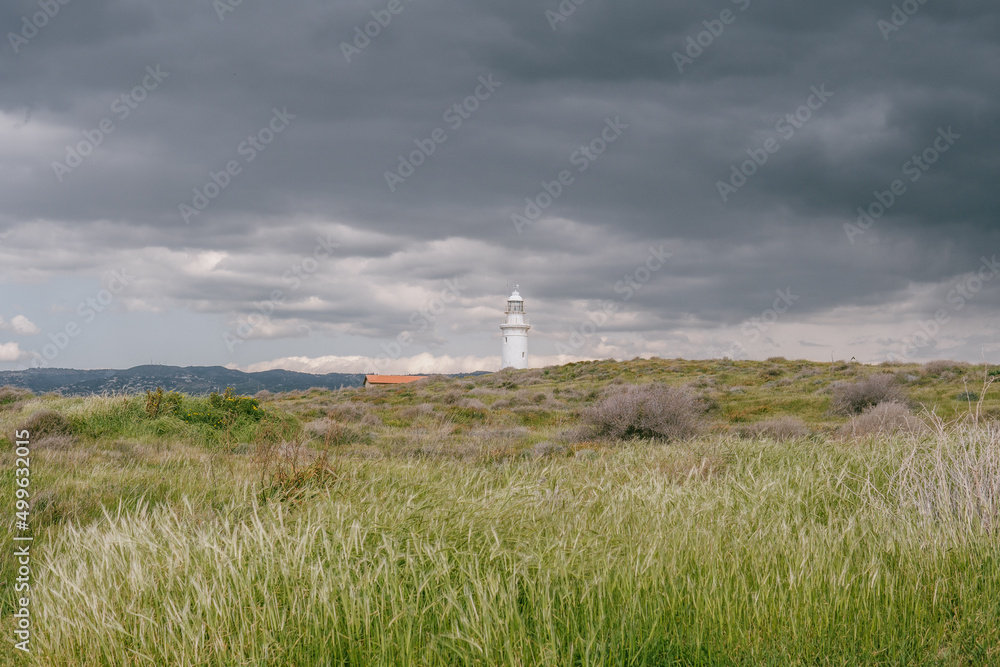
(514, 352)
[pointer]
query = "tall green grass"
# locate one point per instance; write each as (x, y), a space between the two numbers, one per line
(716, 552)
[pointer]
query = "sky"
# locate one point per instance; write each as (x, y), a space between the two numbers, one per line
(356, 186)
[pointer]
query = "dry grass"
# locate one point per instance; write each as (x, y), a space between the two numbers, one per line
(956, 486)
(787, 427)
(884, 419)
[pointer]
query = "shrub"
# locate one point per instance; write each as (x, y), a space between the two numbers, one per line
(237, 406)
(157, 402)
(772, 371)
(11, 395)
(451, 397)
(939, 366)
(349, 412)
(883, 419)
(295, 484)
(856, 397)
(153, 401)
(47, 423)
(318, 428)
(967, 397)
(778, 428)
(647, 411)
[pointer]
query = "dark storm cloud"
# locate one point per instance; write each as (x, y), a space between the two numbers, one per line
(555, 91)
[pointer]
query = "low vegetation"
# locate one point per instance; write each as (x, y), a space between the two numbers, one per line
(649, 512)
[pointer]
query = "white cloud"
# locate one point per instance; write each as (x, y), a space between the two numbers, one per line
(424, 363)
(20, 325)
(11, 352)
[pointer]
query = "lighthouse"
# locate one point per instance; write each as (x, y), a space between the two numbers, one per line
(514, 350)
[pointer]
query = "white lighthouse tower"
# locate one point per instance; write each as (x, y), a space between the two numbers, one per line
(514, 352)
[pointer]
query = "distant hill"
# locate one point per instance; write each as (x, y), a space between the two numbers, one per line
(189, 379)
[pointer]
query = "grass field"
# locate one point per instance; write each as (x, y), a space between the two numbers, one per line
(480, 521)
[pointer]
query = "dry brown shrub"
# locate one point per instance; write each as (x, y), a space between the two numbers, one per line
(46, 422)
(786, 427)
(451, 397)
(855, 397)
(884, 419)
(647, 411)
(575, 434)
(939, 366)
(484, 391)
(348, 412)
(473, 403)
(12, 396)
(318, 428)
(771, 371)
(371, 419)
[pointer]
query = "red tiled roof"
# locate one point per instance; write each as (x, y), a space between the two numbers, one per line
(392, 379)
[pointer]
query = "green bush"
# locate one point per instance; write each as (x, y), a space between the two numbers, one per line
(220, 410)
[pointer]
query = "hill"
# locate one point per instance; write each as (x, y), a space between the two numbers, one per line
(189, 379)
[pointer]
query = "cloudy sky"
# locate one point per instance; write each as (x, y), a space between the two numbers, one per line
(354, 185)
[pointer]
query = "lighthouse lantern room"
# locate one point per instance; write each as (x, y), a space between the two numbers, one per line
(514, 350)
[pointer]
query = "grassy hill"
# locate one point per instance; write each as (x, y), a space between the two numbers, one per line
(493, 520)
